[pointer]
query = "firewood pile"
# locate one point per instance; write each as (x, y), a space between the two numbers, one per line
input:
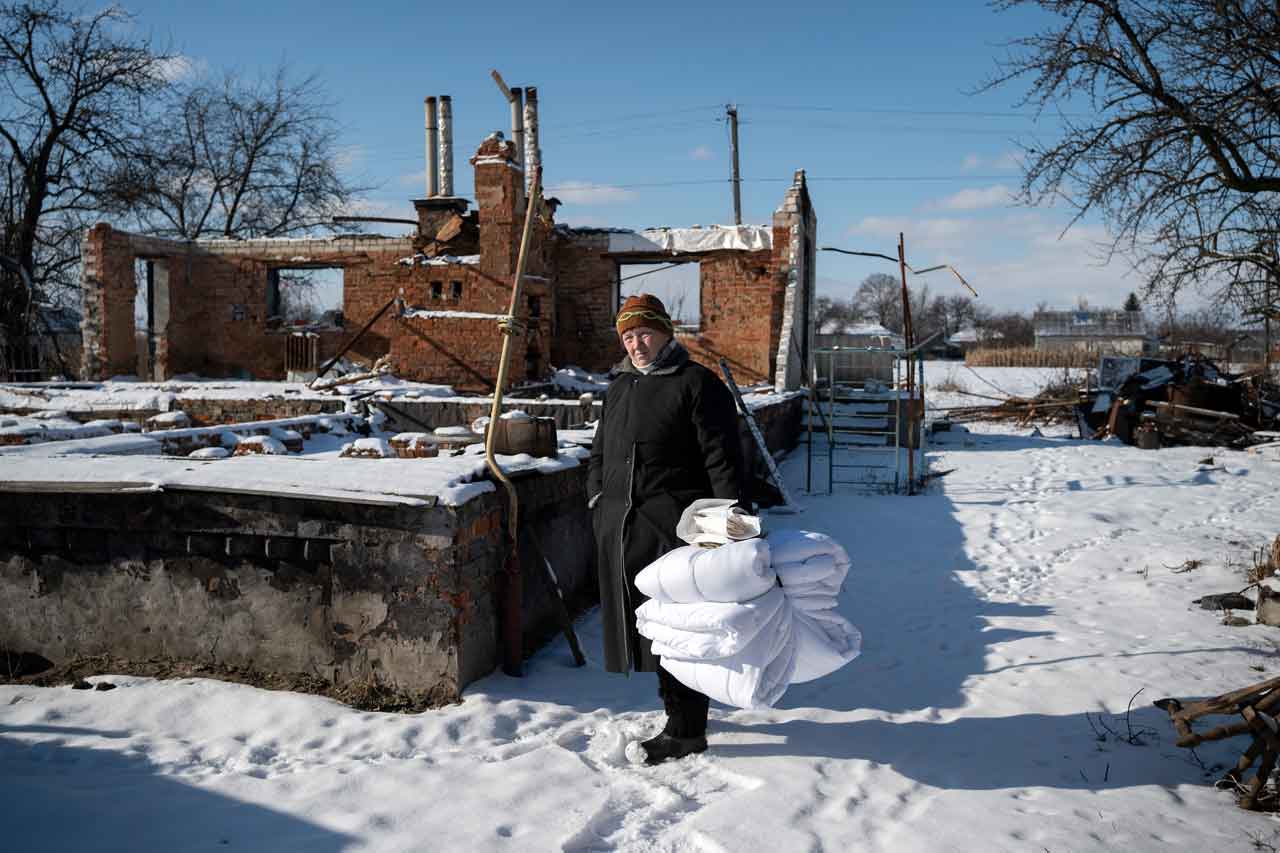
(1256, 707)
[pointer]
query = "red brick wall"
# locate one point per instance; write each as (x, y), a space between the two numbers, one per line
(586, 287)
(738, 292)
(108, 295)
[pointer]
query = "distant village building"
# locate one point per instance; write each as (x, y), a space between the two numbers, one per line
(1096, 330)
(970, 338)
(856, 366)
(857, 334)
(51, 349)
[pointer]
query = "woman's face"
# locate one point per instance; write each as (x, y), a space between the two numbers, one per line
(643, 344)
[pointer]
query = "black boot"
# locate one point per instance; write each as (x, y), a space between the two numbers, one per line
(685, 732)
(664, 746)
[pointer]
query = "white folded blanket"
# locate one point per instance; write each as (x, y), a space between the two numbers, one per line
(715, 521)
(818, 569)
(823, 645)
(754, 678)
(738, 571)
(706, 630)
(797, 546)
(722, 624)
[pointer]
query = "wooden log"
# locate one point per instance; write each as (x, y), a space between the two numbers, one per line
(1250, 799)
(1193, 739)
(1250, 755)
(1227, 703)
(450, 229)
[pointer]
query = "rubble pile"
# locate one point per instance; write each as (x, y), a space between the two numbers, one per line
(1186, 401)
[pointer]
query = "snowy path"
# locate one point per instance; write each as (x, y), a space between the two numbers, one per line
(998, 611)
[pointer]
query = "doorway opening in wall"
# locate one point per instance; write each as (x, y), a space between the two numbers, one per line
(304, 296)
(144, 316)
(677, 285)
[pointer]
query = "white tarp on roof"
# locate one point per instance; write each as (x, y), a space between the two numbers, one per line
(709, 239)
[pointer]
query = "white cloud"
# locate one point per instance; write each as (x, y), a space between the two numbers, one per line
(178, 67)
(979, 198)
(702, 152)
(349, 157)
(1014, 259)
(1006, 161)
(582, 192)
(414, 179)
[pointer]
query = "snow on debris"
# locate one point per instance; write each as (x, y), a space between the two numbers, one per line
(423, 314)
(1010, 614)
(439, 260)
(709, 239)
(575, 380)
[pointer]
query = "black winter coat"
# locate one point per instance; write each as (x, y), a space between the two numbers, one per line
(665, 439)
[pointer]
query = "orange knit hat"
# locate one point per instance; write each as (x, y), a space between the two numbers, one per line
(644, 309)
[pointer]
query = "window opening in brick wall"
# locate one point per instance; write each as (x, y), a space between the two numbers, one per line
(305, 296)
(535, 306)
(455, 291)
(679, 288)
(437, 290)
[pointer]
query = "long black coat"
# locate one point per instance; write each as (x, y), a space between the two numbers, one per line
(665, 439)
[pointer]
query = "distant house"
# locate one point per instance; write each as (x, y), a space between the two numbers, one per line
(855, 366)
(970, 338)
(52, 348)
(1103, 331)
(856, 334)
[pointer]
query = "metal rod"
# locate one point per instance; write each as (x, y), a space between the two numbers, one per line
(390, 219)
(652, 271)
(433, 142)
(908, 335)
(513, 652)
(732, 110)
(446, 145)
(331, 362)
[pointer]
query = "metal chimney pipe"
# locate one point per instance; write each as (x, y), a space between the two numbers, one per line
(517, 122)
(532, 153)
(433, 142)
(446, 145)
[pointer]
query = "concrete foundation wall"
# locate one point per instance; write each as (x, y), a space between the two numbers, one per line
(404, 597)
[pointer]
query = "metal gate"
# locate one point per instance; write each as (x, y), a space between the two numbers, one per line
(865, 415)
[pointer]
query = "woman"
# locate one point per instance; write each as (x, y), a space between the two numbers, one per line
(668, 436)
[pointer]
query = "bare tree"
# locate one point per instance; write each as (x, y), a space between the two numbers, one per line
(238, 159)
(829, 309)
(879, 298)
(1178, 150)
(73, 84)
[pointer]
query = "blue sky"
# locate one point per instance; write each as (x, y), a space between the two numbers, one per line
(633, 95)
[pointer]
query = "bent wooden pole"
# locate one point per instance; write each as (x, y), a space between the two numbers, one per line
(513, 588)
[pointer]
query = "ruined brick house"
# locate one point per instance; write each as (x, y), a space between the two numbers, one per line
(210, 304)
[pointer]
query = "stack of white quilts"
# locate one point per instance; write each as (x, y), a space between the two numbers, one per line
(721, 622)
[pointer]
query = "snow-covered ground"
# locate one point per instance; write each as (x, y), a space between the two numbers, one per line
(1009, 616)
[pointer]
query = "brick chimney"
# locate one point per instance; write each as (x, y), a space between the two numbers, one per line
(500, 196)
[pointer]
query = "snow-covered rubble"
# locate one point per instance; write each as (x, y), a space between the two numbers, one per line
(1007, 613)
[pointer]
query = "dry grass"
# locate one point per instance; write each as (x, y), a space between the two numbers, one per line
(1030, 357)
(1266, 562)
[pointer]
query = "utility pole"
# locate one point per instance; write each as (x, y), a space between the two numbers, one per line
(732, 111)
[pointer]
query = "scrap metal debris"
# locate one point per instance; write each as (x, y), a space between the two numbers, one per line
(1150, 403)
(1155, 403)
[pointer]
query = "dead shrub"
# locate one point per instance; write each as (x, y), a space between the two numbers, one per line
(1266, 562)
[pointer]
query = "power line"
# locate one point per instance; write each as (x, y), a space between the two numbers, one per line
(585, 185)
(900, 111)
